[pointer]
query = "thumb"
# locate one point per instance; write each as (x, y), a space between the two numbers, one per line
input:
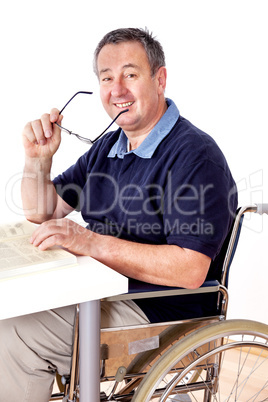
(60, 119)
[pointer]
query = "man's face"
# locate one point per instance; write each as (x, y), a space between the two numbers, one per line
(126, 83)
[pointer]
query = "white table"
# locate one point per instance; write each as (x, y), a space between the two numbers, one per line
(86, 283)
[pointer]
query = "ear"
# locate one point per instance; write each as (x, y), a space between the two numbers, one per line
(161, 77)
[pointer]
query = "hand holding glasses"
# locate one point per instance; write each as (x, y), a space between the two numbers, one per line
(84, 139)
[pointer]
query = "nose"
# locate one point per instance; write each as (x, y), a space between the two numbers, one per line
(119, 89)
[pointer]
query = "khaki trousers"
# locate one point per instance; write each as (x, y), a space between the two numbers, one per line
(36, 346)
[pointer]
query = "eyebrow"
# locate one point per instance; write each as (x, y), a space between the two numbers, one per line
(131, 65)
(126, 66)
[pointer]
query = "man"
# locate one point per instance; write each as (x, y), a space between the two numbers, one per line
(157, 195)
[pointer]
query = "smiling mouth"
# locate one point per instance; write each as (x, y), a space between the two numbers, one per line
(122, 105)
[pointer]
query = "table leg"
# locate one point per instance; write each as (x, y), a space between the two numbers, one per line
(89, 360)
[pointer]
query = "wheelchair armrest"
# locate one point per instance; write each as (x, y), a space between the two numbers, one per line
(142, 290)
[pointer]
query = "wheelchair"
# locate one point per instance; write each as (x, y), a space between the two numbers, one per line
(201, 359)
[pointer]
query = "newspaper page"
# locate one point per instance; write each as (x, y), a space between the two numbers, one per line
(18, 256)
(17, 229)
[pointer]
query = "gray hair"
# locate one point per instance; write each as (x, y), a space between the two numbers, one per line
(152, 47)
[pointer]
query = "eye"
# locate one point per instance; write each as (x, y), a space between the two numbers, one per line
(131, 75)
(106, 79)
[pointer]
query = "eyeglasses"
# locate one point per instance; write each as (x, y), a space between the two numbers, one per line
(84, 139)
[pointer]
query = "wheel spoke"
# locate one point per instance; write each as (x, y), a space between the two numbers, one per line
(212, 353)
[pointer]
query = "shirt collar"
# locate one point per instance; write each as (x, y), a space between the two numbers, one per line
(151, 142)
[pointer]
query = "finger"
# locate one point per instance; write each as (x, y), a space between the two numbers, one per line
(55, 115)
(41, 232)
(28, 133)
(34, 236)
(38, 132)
(47, 229)
(47, 125)
(53, 240)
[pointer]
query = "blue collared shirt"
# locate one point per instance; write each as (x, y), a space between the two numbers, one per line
(151, 142)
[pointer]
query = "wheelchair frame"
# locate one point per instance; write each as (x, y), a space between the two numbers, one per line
(187, 347)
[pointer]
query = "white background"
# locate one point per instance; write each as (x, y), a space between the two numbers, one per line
(216, 54)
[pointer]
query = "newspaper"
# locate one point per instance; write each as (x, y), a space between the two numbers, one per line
(19, 257)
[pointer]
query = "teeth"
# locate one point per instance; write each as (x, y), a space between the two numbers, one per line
(121, 105)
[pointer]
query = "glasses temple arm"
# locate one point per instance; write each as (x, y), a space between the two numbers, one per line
(79, 92)
(119, 114)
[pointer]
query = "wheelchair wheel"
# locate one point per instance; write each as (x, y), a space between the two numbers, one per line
(230, 357)
(145, 360)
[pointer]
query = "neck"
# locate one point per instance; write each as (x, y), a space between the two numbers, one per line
(135, 139)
